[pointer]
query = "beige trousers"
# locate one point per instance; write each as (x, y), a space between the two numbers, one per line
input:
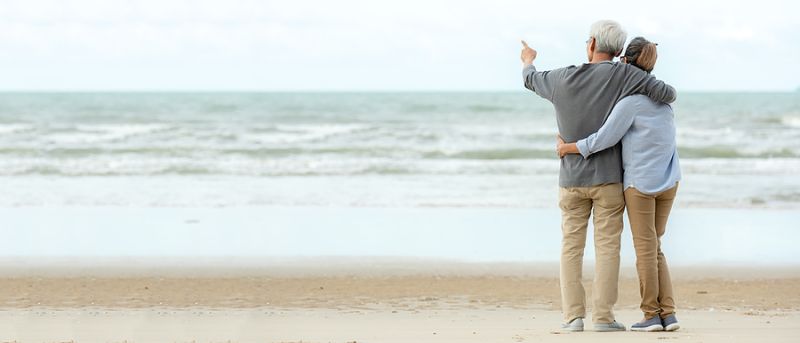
(648, 218)
(606, 204)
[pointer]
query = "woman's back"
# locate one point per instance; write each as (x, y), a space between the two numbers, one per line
(649, 150)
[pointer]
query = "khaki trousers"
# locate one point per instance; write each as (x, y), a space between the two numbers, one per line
(648, 218)
(606, 204)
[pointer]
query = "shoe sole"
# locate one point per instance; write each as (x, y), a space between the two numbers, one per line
(651, 328)
(672, 327)
(571, 329)
(607, 329)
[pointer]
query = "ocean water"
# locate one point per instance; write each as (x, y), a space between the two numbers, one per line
(361, 150)
(695, 237)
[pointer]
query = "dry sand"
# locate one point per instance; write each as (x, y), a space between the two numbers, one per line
(371, 325)
(388, 303)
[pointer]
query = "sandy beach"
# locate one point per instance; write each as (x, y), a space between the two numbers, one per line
(109, 274)
(371, 302)
(178, 171)
(370, 325)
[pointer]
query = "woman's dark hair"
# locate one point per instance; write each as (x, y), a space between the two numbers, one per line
(642, 53)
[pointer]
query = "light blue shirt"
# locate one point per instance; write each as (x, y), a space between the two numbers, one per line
(649, 152)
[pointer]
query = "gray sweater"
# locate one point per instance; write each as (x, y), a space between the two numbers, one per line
(583, 97)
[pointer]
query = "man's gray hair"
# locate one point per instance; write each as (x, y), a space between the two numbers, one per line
(609, 36)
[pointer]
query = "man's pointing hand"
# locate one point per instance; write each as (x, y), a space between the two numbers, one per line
(528, 54)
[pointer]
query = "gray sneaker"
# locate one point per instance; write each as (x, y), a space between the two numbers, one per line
(670, 323)
(648, 325)
(576, 325)
(609, 327)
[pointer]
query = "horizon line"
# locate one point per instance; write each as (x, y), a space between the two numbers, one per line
(317, 91)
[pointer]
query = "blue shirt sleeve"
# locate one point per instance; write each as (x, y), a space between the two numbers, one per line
(617, 124)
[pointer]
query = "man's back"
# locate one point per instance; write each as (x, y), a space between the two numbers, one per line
(583, 97)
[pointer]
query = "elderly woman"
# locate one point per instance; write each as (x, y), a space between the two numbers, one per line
(651, 174)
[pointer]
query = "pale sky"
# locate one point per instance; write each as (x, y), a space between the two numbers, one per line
(377, 45)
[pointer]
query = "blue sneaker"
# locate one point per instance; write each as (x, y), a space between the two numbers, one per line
(648, 325)
(670, 323)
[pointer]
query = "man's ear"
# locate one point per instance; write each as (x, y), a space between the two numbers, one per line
(592, 45)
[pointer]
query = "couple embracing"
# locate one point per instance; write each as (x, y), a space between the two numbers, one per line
(617, 147)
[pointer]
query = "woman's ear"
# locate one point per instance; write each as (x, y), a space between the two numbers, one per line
(623, 59)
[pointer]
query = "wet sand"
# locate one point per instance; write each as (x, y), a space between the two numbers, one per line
(339, 292)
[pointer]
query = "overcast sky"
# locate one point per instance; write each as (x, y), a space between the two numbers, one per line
(378, 45)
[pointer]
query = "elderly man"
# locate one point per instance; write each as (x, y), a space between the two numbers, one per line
(583, 97)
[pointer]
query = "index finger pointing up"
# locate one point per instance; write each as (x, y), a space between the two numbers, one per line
(525, 44)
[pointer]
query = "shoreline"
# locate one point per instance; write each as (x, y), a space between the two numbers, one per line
(346, 266)
(753, 238)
